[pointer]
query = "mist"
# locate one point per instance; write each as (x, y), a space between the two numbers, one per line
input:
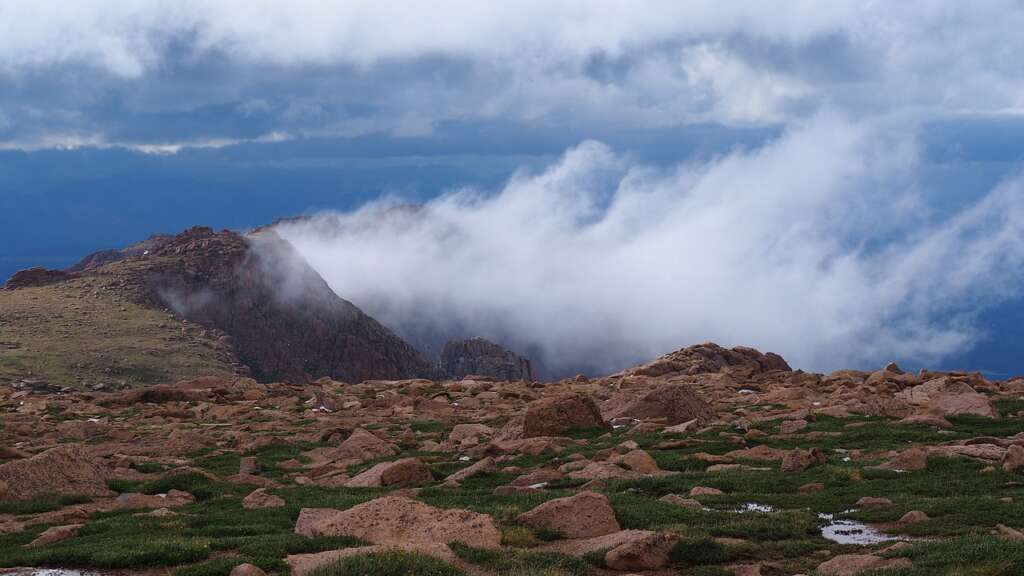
(820, 245)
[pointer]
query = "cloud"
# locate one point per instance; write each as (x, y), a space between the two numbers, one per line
(818, 246)
(143, 72)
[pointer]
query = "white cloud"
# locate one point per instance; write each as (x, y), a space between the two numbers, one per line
(599, 263)
(676, 62)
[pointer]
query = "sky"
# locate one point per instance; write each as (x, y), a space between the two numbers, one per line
(598, 182)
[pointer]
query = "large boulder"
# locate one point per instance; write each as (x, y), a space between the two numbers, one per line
(584, 515)
(946, 396)
(556, 416)
(63, 470)
(676, 403)
(395, 520)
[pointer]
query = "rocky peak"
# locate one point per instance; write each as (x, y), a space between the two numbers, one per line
(478, 356)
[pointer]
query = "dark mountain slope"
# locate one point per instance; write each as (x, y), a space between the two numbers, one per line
(257, 297)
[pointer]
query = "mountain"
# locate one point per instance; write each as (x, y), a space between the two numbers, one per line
(217, 301)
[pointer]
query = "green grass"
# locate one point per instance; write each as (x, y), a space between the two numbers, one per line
(968, 556)
(389, 564)
(44, 503)
(201, 531)
(520, 562)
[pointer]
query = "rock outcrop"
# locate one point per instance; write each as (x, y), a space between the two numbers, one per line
(711, 358)
(481, 357)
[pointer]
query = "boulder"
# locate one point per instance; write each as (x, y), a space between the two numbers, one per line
(648, 553)
(479, 467)
(362, 445)
(676, 403)
(948, 397)
(259, 498)
(556, 416)
(1014, 458)
(55, 534)
(249, 465)
(854, 564)
(397, 520)
(873, 502)
(399, 474)
(584, 515)
(911, 459)
(247, 570)
(798, 460)
(65, 469)
(638, 461)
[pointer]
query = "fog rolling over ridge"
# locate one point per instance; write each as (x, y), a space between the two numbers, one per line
(820, 246)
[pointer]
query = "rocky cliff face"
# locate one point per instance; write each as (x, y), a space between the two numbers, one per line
(284, 321)
(481, 357)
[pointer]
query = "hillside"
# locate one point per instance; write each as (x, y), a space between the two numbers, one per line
(244, 304)
(85, 332)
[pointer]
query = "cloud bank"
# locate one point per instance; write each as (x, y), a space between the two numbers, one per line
(148, 73)
(819, 246)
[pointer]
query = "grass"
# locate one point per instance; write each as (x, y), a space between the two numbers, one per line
(389, 564)
(40, 504)
(967, 556)
(519, 562)
(202, 532)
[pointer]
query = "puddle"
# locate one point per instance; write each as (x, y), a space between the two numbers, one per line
(852, 532)
(755, 507)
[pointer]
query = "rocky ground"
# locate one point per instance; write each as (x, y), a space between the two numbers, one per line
(707, 461)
